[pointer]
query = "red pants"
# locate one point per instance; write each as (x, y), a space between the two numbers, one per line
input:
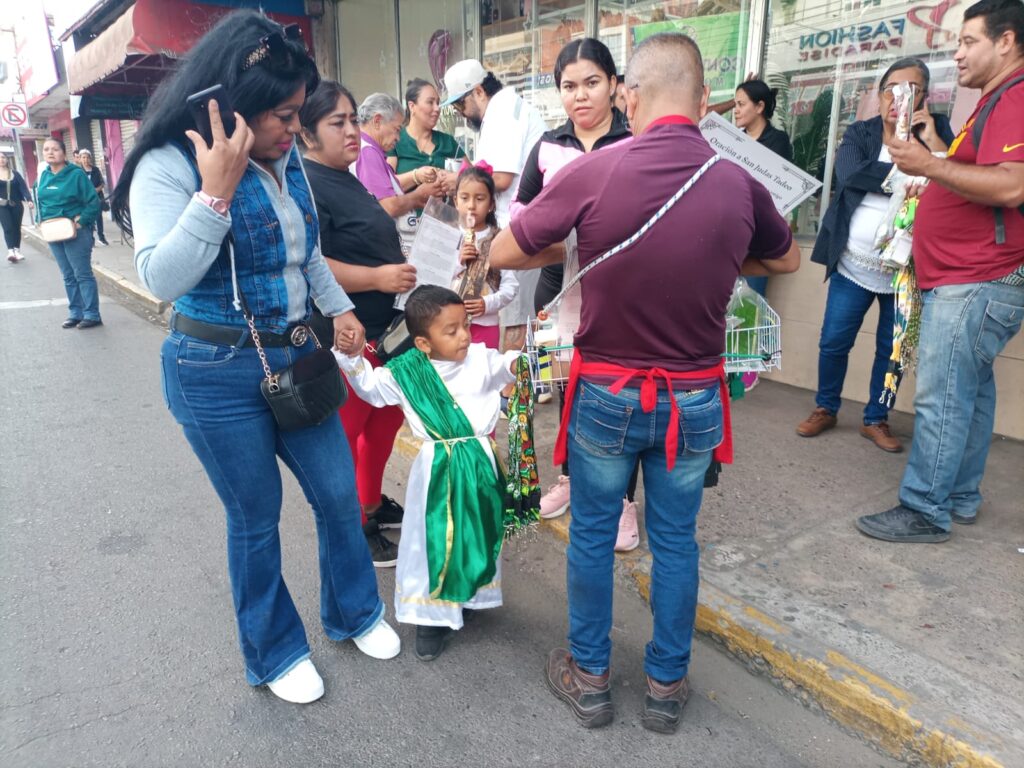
(371, 436)
(488, 335)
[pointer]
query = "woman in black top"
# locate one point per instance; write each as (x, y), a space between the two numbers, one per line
(96, 178)
(14, 195)
(363, 250)
(755, 105)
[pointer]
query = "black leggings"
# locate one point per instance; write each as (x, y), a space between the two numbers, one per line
(10, 219)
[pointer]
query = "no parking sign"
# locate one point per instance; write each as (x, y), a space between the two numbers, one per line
(13, 114)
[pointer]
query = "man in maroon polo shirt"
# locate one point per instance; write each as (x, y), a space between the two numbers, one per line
(647, 371)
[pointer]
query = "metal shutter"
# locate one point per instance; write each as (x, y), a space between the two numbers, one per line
(128, 128)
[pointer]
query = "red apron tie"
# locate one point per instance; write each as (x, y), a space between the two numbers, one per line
(648, 400)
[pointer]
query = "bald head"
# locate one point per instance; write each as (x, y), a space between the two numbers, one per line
(667, 72)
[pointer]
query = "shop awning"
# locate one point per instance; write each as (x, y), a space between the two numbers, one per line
(134, 53)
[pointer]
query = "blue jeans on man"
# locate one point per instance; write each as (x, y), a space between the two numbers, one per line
(74, 257)
(963, 330)
(607, 434)
(844, 314)
(213, 391)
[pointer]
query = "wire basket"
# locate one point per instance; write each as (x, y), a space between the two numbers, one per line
(756, 348)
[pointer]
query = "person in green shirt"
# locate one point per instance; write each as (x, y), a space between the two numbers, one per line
(64, 191)
(418, 157)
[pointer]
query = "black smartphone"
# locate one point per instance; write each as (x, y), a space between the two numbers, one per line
(198, 105)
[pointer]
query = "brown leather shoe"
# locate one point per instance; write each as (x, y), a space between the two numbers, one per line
(882, 436)
(664, 704)
(589, 695)
(819, 420)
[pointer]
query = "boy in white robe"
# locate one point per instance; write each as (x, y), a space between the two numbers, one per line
(473, 376)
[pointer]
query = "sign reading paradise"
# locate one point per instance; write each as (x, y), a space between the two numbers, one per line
(722, 39)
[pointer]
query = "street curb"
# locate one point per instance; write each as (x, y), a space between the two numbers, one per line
(858, 699)
(110, 279)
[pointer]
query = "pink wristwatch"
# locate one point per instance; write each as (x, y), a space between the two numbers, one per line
(219, 204)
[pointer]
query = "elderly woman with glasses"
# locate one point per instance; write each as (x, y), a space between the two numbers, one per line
(853, 267)
(229, 227)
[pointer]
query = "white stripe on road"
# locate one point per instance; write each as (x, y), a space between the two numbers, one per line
(33, 304)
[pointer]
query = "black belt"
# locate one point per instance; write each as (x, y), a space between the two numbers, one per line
(296, 335)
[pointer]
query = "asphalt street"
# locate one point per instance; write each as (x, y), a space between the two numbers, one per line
(118, 639)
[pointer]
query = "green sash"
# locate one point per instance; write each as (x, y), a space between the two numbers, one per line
(464, 498)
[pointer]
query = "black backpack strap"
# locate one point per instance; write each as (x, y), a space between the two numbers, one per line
(976, 129)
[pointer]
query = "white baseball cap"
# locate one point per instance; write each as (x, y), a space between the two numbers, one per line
(461, 78)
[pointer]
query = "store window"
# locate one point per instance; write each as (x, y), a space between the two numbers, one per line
(720, 28)
(826, 57)
(521, 41)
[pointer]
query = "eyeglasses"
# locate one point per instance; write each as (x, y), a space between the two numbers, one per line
(459, 105)
(890, 87)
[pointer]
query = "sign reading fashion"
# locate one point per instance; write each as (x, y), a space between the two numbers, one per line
(789, 186)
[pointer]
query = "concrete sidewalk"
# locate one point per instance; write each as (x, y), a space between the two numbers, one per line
(910, 646)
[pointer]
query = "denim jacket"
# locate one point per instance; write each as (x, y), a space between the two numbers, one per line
(182, 255)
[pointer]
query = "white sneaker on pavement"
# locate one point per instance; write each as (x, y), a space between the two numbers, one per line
(629, 535)
(301, 684)
(18, 255)
(555, 502)
(380, 642)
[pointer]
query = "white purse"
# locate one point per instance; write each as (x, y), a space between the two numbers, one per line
(57, 230)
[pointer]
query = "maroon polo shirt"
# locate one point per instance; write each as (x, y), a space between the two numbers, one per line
(661, 302)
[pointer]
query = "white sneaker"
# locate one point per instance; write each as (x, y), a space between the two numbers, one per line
(301, 684)
(381, 642)
(18, 255)
(544, 396)
(629, 534)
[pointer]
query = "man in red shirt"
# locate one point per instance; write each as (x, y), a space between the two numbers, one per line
(647, 374)
(968, 253)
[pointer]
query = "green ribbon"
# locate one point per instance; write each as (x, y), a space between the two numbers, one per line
(464, 498)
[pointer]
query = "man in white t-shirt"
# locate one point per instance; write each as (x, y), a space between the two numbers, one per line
(509, 128)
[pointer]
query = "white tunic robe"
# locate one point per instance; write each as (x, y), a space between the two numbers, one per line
(475, 384)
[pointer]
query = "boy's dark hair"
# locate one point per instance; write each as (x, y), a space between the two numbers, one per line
(479, 174)
(219, 57)
(424, 305)
(1000, 16)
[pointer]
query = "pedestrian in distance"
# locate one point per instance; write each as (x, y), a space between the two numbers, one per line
(448, 388)
(65, 192)
(853, 265)
(96, 177)
(220, 229)
(14, 196)
(969, 262)
(364, 252)
(636, 389)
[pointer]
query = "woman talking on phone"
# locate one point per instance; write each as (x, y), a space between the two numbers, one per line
(226, 227)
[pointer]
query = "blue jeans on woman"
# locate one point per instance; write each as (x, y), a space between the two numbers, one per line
(607, 434)
(213, 391)
(74, 257)
(963, 330)
(844, 314)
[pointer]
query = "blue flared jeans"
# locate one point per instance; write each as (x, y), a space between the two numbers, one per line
(963, 330)
(213, 391)
(607, 434)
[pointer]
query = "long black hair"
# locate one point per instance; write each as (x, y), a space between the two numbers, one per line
(588, 49)
(758, 91)
(217, 58)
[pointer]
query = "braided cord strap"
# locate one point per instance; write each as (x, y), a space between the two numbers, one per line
(635, 236)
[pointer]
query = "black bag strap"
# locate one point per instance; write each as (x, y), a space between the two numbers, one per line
(976, 130)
